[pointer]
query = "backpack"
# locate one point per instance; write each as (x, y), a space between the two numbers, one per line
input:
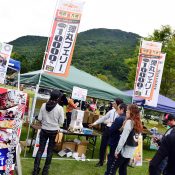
(132, 139)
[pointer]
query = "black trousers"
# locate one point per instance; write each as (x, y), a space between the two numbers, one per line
(111, 157)
(121, 163)
(68, 119)
(44, 136)
(104, 144)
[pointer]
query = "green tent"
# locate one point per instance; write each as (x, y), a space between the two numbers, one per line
(96, 87)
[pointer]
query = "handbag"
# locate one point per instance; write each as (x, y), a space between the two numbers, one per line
(132, 139)
(59, 137)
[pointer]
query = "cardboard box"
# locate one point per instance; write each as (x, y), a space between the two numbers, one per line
(57, 147)
(86, 116)
(23, 145)
(82, 148)
(96, 117)
(91, 118)
(69, 145)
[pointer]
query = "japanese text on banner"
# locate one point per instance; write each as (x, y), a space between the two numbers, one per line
(159, 73)
(63, 36)
(147, 69)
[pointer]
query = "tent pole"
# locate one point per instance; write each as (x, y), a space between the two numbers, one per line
(18, 80)
(31, 115)
(136, 71)
(39, 81)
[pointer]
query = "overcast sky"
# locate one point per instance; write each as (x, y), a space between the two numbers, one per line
(34, 17)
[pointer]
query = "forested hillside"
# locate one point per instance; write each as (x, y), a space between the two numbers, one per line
(100, 52)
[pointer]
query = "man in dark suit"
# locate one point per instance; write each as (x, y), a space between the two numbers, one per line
(115, 132)
(109, 118)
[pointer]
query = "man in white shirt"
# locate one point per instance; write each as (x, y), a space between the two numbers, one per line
(108, 119)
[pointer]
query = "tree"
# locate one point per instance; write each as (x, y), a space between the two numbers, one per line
(25, 63)
(167, 36)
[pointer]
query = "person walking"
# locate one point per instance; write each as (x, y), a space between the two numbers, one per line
(163, 161)
(109, 118)
(51, 116)
(128, 141)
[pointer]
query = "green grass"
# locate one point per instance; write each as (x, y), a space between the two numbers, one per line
(72, 167)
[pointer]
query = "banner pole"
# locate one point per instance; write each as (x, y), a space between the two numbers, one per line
(18, 160)
(39, 81)
(18, 80)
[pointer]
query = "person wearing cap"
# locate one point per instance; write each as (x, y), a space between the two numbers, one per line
(163, 161)
(108, 119)
(51, 116)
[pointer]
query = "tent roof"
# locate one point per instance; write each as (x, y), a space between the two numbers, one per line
(164, 104)
(96, 87)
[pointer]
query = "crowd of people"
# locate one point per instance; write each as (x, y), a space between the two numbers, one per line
(122, 128)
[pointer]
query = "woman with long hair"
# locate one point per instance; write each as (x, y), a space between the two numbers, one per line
(132, 127)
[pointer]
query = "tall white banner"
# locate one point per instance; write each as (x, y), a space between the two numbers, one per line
(147, 68)
(63, 37)
(146, 77)
(154, 100)
(5, 52)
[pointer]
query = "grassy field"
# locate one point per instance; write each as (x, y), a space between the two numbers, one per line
(70, 166)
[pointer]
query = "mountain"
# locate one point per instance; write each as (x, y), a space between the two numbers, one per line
(100, 52)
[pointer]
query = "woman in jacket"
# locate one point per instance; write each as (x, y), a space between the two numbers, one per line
(52, 117)
(132, 127)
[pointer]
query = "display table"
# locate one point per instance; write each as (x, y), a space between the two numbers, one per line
(91, 138)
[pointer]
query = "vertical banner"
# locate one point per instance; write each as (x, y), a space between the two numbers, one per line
(145, 80)
(12, 108)
(5, 52)
(137, 160)
(154, 100)
(150, 53)
(63, 37)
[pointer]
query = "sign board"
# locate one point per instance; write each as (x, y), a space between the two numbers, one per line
(79, 93)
